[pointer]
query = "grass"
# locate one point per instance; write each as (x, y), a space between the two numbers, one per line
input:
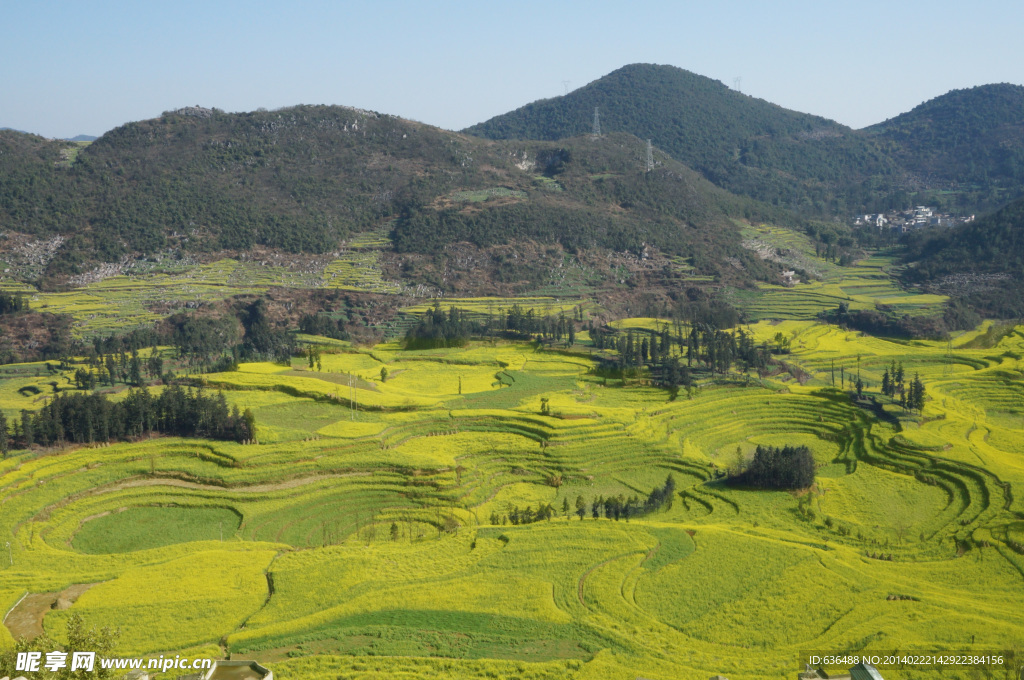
(140, 528)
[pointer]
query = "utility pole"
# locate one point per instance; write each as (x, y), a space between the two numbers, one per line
(650, 156)
(351, 398)
(596, 132)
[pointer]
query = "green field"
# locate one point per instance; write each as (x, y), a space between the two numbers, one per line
(142, 527)
(369, 510)
(371, 532)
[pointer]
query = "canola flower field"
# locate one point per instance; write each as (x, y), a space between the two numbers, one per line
(366, 535)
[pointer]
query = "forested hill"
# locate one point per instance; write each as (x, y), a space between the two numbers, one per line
(304, 179)
(982, 261)
(744, 144)
(971, 140)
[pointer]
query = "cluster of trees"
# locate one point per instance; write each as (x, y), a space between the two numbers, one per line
(524, 516)
(205, 343)
(12, 303)
(323, 324)
(454, 328)
(699, 345)
(789, 467)
(884, 322)
(437, 329)
(911, 396)
(90, 418)
(93, 418)
(620, 507)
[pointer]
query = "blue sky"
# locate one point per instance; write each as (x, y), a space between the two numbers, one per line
(74, 67)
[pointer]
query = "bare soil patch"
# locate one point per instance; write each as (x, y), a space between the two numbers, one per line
(26, 619)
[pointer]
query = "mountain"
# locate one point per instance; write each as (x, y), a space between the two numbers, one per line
(741, 143)
(305, 178)
(982, 261)
(76, 138)
(969, 141)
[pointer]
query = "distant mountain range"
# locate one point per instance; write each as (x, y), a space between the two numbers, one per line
(963, 151)
(76, 138)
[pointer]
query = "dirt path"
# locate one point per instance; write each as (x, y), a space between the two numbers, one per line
(26, 619)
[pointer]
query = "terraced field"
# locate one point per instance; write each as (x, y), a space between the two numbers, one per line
(368, 533)
(866, 284)
(146, 291)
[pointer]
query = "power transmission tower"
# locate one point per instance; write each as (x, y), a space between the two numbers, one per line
(565, 84)
(650, 156)
(597, 123)
(737, 82)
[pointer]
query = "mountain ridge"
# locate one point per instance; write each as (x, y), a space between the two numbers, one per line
(306, 178)
(800, 161)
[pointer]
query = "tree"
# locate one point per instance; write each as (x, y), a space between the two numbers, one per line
(100, 641)
(581, 507)
(565, 506)
(383, 373)
(28, 429)
(394, 531)
(135, 371)
(5, 444)
(916, 398)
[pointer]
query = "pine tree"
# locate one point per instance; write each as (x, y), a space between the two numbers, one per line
(917, 394)
(5, 443)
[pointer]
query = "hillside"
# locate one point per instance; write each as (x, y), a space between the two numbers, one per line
(982, 261)
(305, 179)
(744, 144)
(970, 141)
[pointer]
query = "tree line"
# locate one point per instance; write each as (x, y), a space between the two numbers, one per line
(93, 418)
